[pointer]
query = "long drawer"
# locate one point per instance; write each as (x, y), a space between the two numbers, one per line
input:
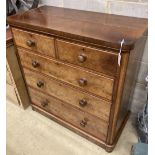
(35, 42)
(99, 85)
(76, 98)
(95, 59)
(78, 118)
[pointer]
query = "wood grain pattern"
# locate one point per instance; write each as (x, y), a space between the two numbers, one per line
(97, 84)
(106, 30)
(94, 105)
(117, 101)
(40, 43)
(86, 135)
(94, 126)
(98, 60)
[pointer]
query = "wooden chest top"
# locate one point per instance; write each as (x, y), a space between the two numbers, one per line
(105, 30)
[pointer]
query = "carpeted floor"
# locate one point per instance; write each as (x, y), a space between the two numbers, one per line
(29, 133)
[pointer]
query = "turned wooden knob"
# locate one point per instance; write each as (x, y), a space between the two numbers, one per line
(30, 43)
(40, 84)
(35, 64)
(82, 58)
(83, 123)
(44, 103)
(83, 103)
(82, 82)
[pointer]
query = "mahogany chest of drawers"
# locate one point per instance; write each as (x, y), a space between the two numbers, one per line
(71, 63)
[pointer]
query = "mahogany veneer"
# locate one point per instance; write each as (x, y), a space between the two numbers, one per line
(69, 60)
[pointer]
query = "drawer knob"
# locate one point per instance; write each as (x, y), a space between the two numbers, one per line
(82, 58)
(83, 123)
(83, 103)
(30, 43)
(44, 103)
(35, 64)
(82, 82)
(40, 84)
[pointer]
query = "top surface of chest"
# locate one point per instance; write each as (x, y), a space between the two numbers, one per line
(96, 28)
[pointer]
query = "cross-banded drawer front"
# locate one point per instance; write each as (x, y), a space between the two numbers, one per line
(80, 78)
(78, 118)
(35, 42)
(97, 60)
(79, 99)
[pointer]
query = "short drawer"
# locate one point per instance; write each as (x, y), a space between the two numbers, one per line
(78, 118)
(35, 42)
(100, 85)
(98, 60)
(74, 97)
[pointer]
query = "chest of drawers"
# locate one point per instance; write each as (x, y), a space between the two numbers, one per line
(69, 60)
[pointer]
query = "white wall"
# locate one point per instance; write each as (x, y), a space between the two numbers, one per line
(136, 8)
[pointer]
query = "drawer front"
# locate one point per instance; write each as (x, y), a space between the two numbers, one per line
(78, 118)
(34, 42)
(88, 103)
(88, 81)
(98, 60)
